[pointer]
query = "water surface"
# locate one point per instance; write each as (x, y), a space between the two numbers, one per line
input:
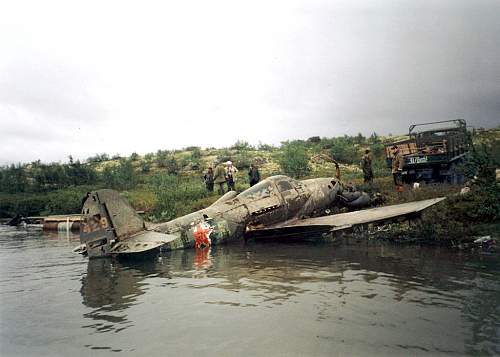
(246, 299)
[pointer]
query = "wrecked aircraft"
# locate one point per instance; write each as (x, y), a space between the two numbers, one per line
(277, 206)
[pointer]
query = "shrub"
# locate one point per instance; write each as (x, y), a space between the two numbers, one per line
(175, 195)
(242, 145)
(294, 160)
(195, 153)
(121, 176)
(98, 158)
(265, 147)
(162, 158)
(145, 167)
(149, 157)
(343, 150)
(64, 201)
(224, 155)
(314, 139)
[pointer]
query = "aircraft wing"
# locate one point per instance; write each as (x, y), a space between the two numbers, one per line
(342, 221)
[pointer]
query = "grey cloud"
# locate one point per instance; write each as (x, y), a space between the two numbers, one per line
(317, 68)
(383, 67)
(53, 89)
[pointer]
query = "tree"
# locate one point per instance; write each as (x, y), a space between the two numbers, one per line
(374, 138)
(80, 174)
(359, 139)
(13, 179)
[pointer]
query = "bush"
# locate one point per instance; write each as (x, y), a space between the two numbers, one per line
(265, 147)
(242, 160)
(64, 201)
(175, 195)
(121, 176)
(195, 153)
(343, 150)
(162, 158)
(98, 158)
(241, 145)
(224, 155)
(21, 203)
(294, 160)
(149, 157)
(145, 167)
(314, 139)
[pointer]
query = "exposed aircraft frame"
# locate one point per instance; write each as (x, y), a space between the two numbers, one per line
(277, 206)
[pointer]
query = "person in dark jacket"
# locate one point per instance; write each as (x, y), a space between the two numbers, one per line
(366, 166)
(253, 175)
(209, 179)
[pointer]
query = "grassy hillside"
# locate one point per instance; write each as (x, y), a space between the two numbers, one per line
(167, 184)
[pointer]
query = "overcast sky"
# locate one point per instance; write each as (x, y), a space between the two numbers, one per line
(85, 77)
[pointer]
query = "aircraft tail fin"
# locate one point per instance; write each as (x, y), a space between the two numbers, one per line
(110, 226)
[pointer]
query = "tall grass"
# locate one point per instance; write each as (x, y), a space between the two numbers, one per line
(177, 195)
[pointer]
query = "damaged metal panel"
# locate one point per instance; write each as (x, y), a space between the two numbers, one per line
(142, 242)
(350, 219)
(110, 226)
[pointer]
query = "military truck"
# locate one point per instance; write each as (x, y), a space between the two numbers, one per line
(434, 152)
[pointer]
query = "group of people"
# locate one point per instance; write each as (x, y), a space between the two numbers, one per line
(224, 174)
(397, 167)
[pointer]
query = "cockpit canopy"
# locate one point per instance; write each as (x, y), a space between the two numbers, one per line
(264, 188)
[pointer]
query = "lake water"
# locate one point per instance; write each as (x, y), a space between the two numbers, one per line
(254, 299)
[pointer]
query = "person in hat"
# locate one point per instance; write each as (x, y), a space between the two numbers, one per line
(366, 166)
(230, 172)
(397, 168)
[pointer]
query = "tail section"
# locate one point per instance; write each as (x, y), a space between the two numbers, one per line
(111, 226)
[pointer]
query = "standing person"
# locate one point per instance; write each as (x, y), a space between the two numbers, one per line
(220, 177)
(253, 175)
(366, 166)
(230, 172)
(397, 168)
(209, 179)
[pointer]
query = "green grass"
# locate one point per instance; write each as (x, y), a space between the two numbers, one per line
(164, 196)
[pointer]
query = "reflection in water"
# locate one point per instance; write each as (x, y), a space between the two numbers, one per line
(202, 259)
(253, 299)
(344, 288)
(110, 292)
